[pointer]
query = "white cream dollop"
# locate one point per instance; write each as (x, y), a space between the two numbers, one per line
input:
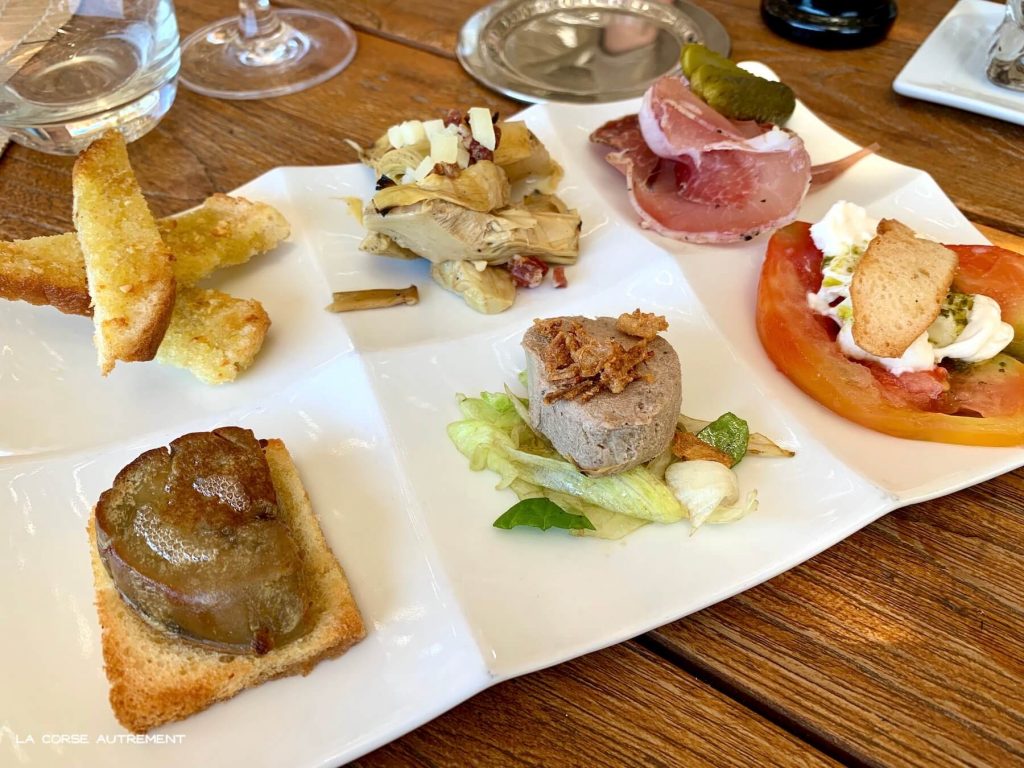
(842, 236)
(845, 230)
(984, 336)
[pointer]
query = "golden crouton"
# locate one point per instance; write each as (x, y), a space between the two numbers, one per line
(897, 289)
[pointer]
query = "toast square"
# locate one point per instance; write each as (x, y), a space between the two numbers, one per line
(156, 678)
(213, 335)
(898, 288)
(128, 265)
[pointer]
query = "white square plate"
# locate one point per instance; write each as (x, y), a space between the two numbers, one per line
(949, 67)
(362, 400)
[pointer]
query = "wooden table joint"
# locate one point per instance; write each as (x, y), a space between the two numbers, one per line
(692, 666)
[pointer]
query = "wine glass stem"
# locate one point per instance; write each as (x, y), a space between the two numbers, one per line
(264, 40)
(257, 20)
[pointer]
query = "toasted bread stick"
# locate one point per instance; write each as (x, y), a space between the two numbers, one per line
(127, 264)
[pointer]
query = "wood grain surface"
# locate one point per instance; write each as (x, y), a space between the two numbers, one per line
(620, 706)
(900, 646)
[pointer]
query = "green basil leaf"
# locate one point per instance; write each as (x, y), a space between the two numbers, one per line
(729, 434)
(541, 513)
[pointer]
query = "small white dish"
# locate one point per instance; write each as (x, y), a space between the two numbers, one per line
(949, 67)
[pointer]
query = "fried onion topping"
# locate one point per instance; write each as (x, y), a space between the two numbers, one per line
(584, 365)
(645, 325)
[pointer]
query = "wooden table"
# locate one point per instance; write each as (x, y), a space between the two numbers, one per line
(902, 645)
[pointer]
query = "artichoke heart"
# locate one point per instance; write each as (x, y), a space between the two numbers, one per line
(374, 155)
(382, 245)
(482, 186)
(526, 160)
(488, 291)
(516, 145)
(395, 163)
(440, 230)
(541, 203)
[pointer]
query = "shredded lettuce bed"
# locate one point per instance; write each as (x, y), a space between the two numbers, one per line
(494, 435)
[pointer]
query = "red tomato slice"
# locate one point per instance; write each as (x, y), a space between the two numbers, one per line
(801, 345)
(998, 273)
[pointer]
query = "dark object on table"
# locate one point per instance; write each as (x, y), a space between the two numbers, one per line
(830, 24)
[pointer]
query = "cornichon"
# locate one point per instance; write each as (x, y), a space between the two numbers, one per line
(694, 56)
(732, 91)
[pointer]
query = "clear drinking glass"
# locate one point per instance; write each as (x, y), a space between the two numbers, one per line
(1006, 56)
(264, 52)
(71, 69)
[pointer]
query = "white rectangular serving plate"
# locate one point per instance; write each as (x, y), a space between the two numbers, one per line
(362, 400)
(949, 66)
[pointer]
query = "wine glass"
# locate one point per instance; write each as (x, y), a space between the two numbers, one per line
(265, 52)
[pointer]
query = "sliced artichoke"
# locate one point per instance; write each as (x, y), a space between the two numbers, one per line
(541, 203)
(382, 245)
(439, 230)
(488, 291)
(372, 155)
(481, 187)
(516, 145)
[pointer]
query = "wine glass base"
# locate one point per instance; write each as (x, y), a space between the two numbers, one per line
(70, 136)
(311, 47)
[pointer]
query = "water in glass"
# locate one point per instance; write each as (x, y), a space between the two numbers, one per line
(71, 69)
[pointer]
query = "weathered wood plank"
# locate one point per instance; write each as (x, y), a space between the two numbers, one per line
(621, 706)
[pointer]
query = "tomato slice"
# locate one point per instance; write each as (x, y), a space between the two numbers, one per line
(801, 345)
(998, 273)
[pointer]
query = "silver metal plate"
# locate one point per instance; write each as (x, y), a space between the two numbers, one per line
(582, 51)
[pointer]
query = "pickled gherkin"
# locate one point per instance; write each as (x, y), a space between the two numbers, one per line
(694, 56)
(743, 97)
(734, 92)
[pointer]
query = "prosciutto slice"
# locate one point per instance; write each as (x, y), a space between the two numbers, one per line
(696, 176)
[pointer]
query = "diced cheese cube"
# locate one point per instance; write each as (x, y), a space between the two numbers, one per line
(444, 147)
(463, 156)
(395, 136)
(424, 168)
(430, 127)
(412, 132)
(481, 126)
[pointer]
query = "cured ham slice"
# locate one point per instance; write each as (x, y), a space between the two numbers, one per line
(675, 123)
(730, 196)
(696, 176)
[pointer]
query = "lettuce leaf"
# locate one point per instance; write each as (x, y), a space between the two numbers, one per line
(494, 436)
(541, 513)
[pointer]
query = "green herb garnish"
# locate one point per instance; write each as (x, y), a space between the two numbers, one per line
(541, 513)
(729, 434)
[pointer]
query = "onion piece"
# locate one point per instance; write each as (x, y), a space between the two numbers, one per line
(709, 491)
(826, 172)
